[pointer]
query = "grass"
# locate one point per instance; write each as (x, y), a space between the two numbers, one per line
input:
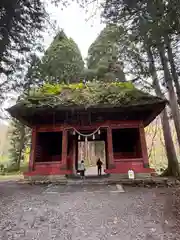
(10, 173)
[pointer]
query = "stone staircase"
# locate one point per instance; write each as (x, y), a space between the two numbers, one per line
(140, 180)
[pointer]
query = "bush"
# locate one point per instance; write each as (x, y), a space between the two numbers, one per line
(12, 168)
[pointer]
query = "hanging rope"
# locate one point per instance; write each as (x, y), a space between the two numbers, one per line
(86, 135)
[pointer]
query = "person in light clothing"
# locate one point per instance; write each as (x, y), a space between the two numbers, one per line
(82, 169)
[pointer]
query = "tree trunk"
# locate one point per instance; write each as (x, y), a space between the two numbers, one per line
(173, 67)
(172, 96)
(173, 166)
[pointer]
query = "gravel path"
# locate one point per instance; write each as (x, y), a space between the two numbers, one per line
(85, 212)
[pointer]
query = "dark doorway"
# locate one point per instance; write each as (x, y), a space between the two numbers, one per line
(48, 147)
(126, 143)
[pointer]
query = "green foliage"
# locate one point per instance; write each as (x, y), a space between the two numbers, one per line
(21, 25)
(62, 61)
(33, 74)
(154, 29)
(103, 56)
(90, 94)
(19, 139)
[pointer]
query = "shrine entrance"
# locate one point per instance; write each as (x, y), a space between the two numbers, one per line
(89, 146)
(90, 153)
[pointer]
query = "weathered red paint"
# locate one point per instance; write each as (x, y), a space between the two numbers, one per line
(33, 150)
(117, 163)
(128, 159)
(110, 147)
(119, 156)
(123, 167)
(106, 124)
(64, 147)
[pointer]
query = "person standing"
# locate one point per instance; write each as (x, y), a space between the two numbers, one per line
(99, 166)
(82, 169)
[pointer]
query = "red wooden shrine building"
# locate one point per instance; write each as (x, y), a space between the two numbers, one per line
(56, 130)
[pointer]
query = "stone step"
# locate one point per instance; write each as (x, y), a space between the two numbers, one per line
(112, 179)
(104, 176)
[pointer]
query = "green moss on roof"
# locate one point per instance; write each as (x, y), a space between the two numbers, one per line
(91, 94)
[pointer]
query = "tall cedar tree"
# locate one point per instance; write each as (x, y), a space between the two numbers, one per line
(103, 57)
(62, 61)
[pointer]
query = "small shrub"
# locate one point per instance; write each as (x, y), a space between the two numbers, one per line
(12, 168)
(1, 167)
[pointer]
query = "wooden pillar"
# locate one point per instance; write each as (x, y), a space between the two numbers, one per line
(143, 146)
(64, 150)
(74, 156)
(33, 150)
(111, 163)
(86, 147)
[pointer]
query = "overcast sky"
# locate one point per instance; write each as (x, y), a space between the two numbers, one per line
(73, 20)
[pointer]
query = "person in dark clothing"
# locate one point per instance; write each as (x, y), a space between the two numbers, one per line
(99, 167)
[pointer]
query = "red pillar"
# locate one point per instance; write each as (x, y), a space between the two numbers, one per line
(74, 157)
(111, 164)
(64, 150)
(143, 146)
(33, 150)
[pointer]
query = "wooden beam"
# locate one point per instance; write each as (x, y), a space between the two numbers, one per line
(125, 124)
(111, 163)
(93, 126)
(64, 150)
(128, 159)
(50, 128)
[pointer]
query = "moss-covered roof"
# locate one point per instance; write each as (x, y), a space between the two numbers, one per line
(85, 96)
(88, 95)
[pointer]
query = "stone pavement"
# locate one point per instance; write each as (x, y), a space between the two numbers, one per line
(53, 212)
(93, 171)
